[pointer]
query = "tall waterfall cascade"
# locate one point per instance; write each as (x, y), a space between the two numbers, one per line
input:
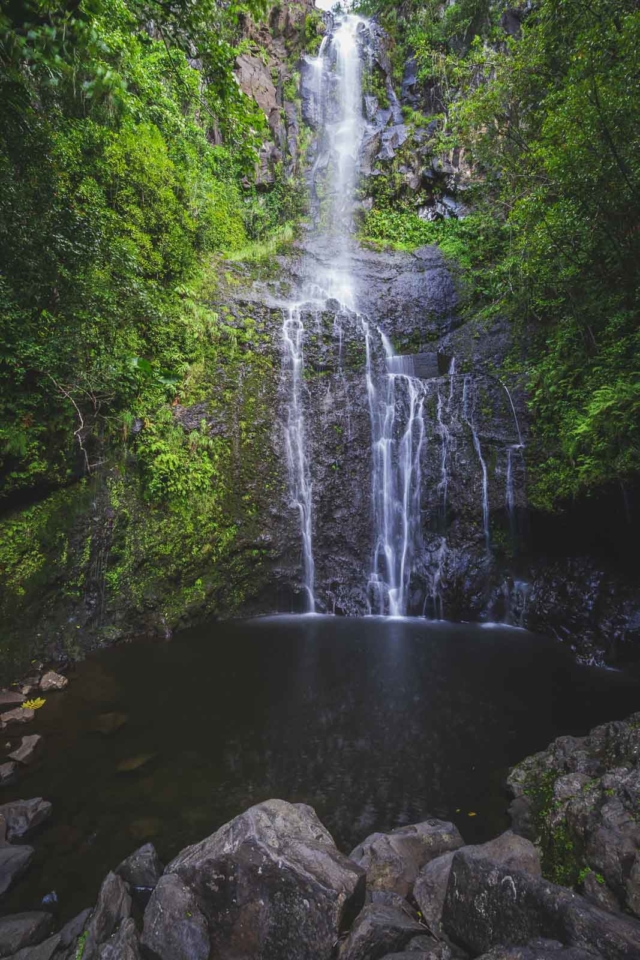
(415, 418)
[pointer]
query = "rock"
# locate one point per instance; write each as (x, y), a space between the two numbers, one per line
(588, 790)
(390, 899)
(108, 723)
(43, 951)
(19, 715)
(53, 681)
(392, 860)
(131, 764)
(23, 930)
(541, 950)
(123, 945)
(23, 816)
(255, 80)
(13, 863)
(8, 772)
(74, 928)
(488, 904)
(113, 906)
(271, 883)
(142, 868)
(10, 699)
(174, 926)
(431, 885)
(379, 930)
(27, 750)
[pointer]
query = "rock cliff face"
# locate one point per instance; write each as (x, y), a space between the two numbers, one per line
(105, 565)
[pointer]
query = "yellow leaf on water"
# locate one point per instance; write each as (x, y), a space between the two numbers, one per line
(472, 814)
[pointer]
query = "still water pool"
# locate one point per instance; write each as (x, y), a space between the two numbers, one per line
(375, 723)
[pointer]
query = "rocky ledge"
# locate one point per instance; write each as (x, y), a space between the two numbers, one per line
(272, 885)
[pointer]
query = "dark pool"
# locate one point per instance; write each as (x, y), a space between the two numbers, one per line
(374, 723)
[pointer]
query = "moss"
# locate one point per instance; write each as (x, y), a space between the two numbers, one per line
(561, 855)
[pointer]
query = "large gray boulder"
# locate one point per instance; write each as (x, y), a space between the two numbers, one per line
(489, 905)
(586, 790)
(430, 888)
(174, 926)
(270, 884)
(113, 906)
(23, 930)
(392, 860)
(379, 930)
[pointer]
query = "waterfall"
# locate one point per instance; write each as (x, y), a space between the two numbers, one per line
(297, 457)
(470, 421)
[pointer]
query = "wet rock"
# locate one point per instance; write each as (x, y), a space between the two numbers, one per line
(174, 926)
(19, 715)
(43, 951)
(377, 931)
(28, 749)
(410, 91)
(392, 860)
(113, 906)
(594, 783)
(271, 883)
(488, 904)
(8, 772)
(431, 885)
(10, 699)
(142, 868)
(23, 930)
(53, 681)
(122, 945)
(131, 764)
(541, 950)
(13, 863)
(23, 816)
(108, 723)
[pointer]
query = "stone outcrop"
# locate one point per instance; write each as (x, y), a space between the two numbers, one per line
(579, 800)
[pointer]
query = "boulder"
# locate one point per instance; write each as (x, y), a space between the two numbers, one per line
(122, 945)
(271, 883)
(142, 869)
(392, 860)
(489, 905)
(43, 951)
(23, 816)
(53, 681)
(27, 750)
(19, 715)
(13, 863)
(377, 931)
(431, 886)
(174, 926)
(587, 789)
(23, 930)
(113, 906)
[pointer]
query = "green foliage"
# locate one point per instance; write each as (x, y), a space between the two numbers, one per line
(112, 197)
(550, 125)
